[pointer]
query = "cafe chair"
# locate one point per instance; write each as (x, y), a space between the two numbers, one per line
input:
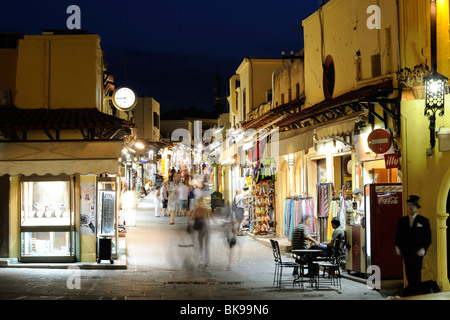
(331, 268)
(280, 264)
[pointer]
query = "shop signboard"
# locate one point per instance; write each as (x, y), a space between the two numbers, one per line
(391, 161)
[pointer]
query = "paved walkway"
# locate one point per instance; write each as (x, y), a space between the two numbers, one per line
(163, 265)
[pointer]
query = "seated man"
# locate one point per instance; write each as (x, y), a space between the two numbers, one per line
(338, 234)
(301, 236)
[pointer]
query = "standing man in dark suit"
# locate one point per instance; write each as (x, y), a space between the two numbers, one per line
(412, 241)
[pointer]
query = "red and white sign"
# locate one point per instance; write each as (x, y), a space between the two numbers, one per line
(379, 141)
(388, 200)
(388, 188)
(391, 161)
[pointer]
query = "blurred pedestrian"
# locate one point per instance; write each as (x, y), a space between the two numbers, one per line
(158, 201)
(200, 223)
(238, 209)
(129, 205)
(191, 198)
(164, 197)
(183, 196)
(172, 204)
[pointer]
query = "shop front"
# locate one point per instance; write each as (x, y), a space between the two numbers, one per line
(56, 203)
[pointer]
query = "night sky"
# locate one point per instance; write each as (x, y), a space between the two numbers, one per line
(171, 50)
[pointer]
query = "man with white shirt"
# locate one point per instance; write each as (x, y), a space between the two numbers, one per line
(412, 240)
(183, 196)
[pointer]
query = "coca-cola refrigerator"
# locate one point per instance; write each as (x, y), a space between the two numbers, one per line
(383, 208)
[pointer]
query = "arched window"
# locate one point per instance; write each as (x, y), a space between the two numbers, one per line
(328, 77)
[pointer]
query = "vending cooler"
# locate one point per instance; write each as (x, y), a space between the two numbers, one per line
(383, 208)
(372, 241)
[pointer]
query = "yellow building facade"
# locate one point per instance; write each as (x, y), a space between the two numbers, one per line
(54, 135)
(426, 176)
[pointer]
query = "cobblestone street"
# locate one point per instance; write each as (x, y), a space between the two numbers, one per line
(162, 264)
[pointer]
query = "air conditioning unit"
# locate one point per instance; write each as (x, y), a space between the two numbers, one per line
(5, 96)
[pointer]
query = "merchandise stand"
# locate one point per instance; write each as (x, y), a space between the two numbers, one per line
(260, 200)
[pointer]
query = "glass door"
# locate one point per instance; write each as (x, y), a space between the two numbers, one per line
(47, 226)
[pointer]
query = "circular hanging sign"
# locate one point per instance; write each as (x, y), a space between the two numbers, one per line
(124, 98)
(379, 141)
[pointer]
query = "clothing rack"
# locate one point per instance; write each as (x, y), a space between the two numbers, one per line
(299, 197)
(295, 209)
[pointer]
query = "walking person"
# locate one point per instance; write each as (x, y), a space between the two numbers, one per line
(172, 204)
(164, 197)
(238, 209)
(129, 202)
(230, 234)
(200, 219)
(183, 197)
(412, 240)
(158, 201)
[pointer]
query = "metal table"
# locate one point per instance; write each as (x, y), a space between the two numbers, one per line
(300, 276)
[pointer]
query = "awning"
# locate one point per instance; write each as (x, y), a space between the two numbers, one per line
(336, 129)
(296, 140)
(56, 158)
(302, 139)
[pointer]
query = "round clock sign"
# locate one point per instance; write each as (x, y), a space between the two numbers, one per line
(124, 98)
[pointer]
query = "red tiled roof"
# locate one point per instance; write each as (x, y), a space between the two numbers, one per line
(346, 98)
(12, 118)
(273, 114)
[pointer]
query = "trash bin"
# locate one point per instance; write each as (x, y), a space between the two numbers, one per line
(104, 249)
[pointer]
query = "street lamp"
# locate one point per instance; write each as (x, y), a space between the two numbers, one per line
(434, 83)
(434, 101)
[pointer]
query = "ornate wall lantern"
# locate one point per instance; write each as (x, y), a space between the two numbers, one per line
(434, 101)
(434, 83)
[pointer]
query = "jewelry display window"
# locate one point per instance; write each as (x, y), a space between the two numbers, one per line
(47, 219)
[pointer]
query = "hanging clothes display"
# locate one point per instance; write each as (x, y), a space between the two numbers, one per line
(324, 194)
(333, 213)
(295, 210)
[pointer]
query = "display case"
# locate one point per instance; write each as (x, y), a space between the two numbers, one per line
(47, 232)
(107, 218)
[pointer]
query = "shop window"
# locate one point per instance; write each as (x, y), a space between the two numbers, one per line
(46, 228)
(45, 244)
(45, 203)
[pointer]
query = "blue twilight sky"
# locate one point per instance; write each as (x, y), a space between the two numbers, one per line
(171, 50)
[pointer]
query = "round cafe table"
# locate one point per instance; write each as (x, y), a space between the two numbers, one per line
(300, 275)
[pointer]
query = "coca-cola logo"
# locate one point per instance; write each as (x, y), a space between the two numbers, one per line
(388, 200)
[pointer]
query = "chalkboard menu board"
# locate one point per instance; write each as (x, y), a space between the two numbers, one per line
(216, 199)
(107, 211)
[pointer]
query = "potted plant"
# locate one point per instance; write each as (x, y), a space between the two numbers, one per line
(414, 79)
